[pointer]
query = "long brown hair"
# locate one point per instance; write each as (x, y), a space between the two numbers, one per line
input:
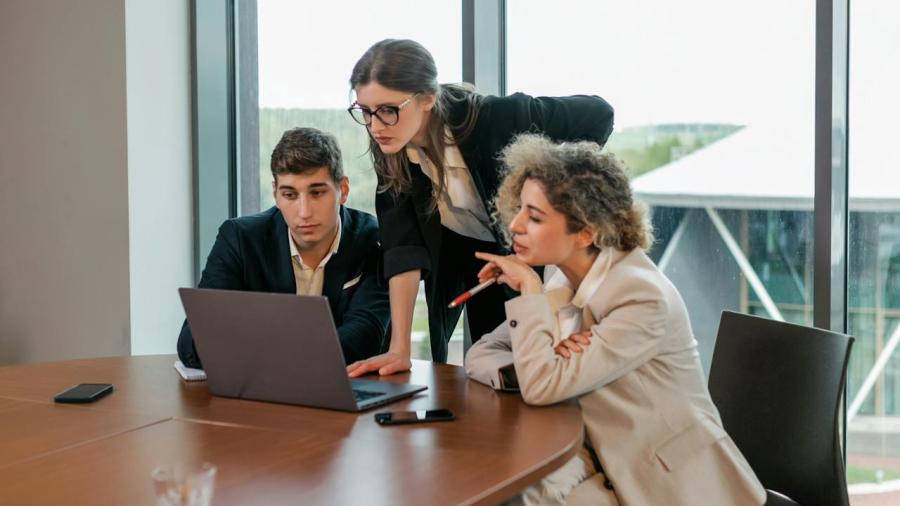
(405, 65)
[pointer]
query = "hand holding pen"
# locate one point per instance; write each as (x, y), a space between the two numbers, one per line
(472, 291)
(513, 272)
(507, 270)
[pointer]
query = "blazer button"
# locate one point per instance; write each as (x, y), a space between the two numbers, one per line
(513, 323)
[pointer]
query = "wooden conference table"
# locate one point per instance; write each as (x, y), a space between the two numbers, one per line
(103, 453)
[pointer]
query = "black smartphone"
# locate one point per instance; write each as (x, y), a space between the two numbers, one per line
(85, 392)
(397, 417)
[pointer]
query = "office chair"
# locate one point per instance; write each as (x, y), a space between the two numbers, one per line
(778, 389)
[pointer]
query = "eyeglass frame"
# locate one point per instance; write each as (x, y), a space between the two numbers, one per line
(374, 114)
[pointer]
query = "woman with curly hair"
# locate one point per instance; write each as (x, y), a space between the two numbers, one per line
(607, 328)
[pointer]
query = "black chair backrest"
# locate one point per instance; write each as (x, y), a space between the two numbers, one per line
(778, 388)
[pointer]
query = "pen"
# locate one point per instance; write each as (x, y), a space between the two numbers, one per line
(468, 295)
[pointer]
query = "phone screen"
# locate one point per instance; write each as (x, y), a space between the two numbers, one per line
(431, 415)
(85, 392)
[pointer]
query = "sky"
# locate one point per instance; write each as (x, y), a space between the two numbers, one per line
(307, 49)
(655, 61)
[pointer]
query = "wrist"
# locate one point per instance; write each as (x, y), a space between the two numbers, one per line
(531, 287)
(400, 347)
(402, 352)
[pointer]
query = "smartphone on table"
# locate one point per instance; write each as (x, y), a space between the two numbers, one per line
(398, 417)
(83, 393)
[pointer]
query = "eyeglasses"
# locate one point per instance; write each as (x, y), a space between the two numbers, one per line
(388, 115)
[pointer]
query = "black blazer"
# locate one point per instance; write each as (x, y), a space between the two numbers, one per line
(411, 235)
(252, 253)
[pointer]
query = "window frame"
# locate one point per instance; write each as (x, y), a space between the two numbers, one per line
(224, 108)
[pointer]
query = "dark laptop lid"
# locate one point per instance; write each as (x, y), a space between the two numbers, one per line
(274, 347)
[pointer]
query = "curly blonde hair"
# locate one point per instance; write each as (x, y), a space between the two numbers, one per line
(588, 186)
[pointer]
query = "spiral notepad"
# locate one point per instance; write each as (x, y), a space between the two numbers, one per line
(189, 373)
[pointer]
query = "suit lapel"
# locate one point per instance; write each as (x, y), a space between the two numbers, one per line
(429, 222)
(478, 163)
(472, 156)
(336, 268)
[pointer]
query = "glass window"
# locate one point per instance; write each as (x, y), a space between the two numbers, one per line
(306, 51)
(708, 114)
(873, 387)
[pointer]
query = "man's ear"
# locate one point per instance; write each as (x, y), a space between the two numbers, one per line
(345, 189)
(274, 186)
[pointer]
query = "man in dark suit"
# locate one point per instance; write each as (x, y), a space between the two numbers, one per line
(308, 244)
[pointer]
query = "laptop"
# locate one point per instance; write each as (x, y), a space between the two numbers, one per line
(278, 348)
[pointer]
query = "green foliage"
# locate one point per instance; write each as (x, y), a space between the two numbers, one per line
(857, 474)
(645, 148)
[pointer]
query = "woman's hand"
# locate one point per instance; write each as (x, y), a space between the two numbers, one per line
(573, 344)
(514, 273)
(391, 362)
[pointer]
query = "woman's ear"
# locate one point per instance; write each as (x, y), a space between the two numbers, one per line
(427, 101)
(586, 237)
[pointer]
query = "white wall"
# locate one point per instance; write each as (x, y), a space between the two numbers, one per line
(63, 186)
(158, 69)
(76, 142)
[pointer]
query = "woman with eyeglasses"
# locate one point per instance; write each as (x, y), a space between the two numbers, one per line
(434, 149)
(604, 327)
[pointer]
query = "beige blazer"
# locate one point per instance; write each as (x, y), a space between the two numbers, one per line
(644, 401)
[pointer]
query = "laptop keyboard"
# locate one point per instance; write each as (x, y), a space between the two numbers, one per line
(362, 395)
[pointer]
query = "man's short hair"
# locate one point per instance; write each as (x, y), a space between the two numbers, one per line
(305, 149)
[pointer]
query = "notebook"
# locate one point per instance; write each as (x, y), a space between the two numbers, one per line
(189, 373)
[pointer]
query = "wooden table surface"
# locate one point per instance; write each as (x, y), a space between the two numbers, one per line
(266, 453)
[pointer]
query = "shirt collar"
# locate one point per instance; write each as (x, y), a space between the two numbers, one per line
(452, 156)
(559, 288)
(295, 253)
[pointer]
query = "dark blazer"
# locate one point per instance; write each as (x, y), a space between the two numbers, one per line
(252, 253)
(411, 235)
